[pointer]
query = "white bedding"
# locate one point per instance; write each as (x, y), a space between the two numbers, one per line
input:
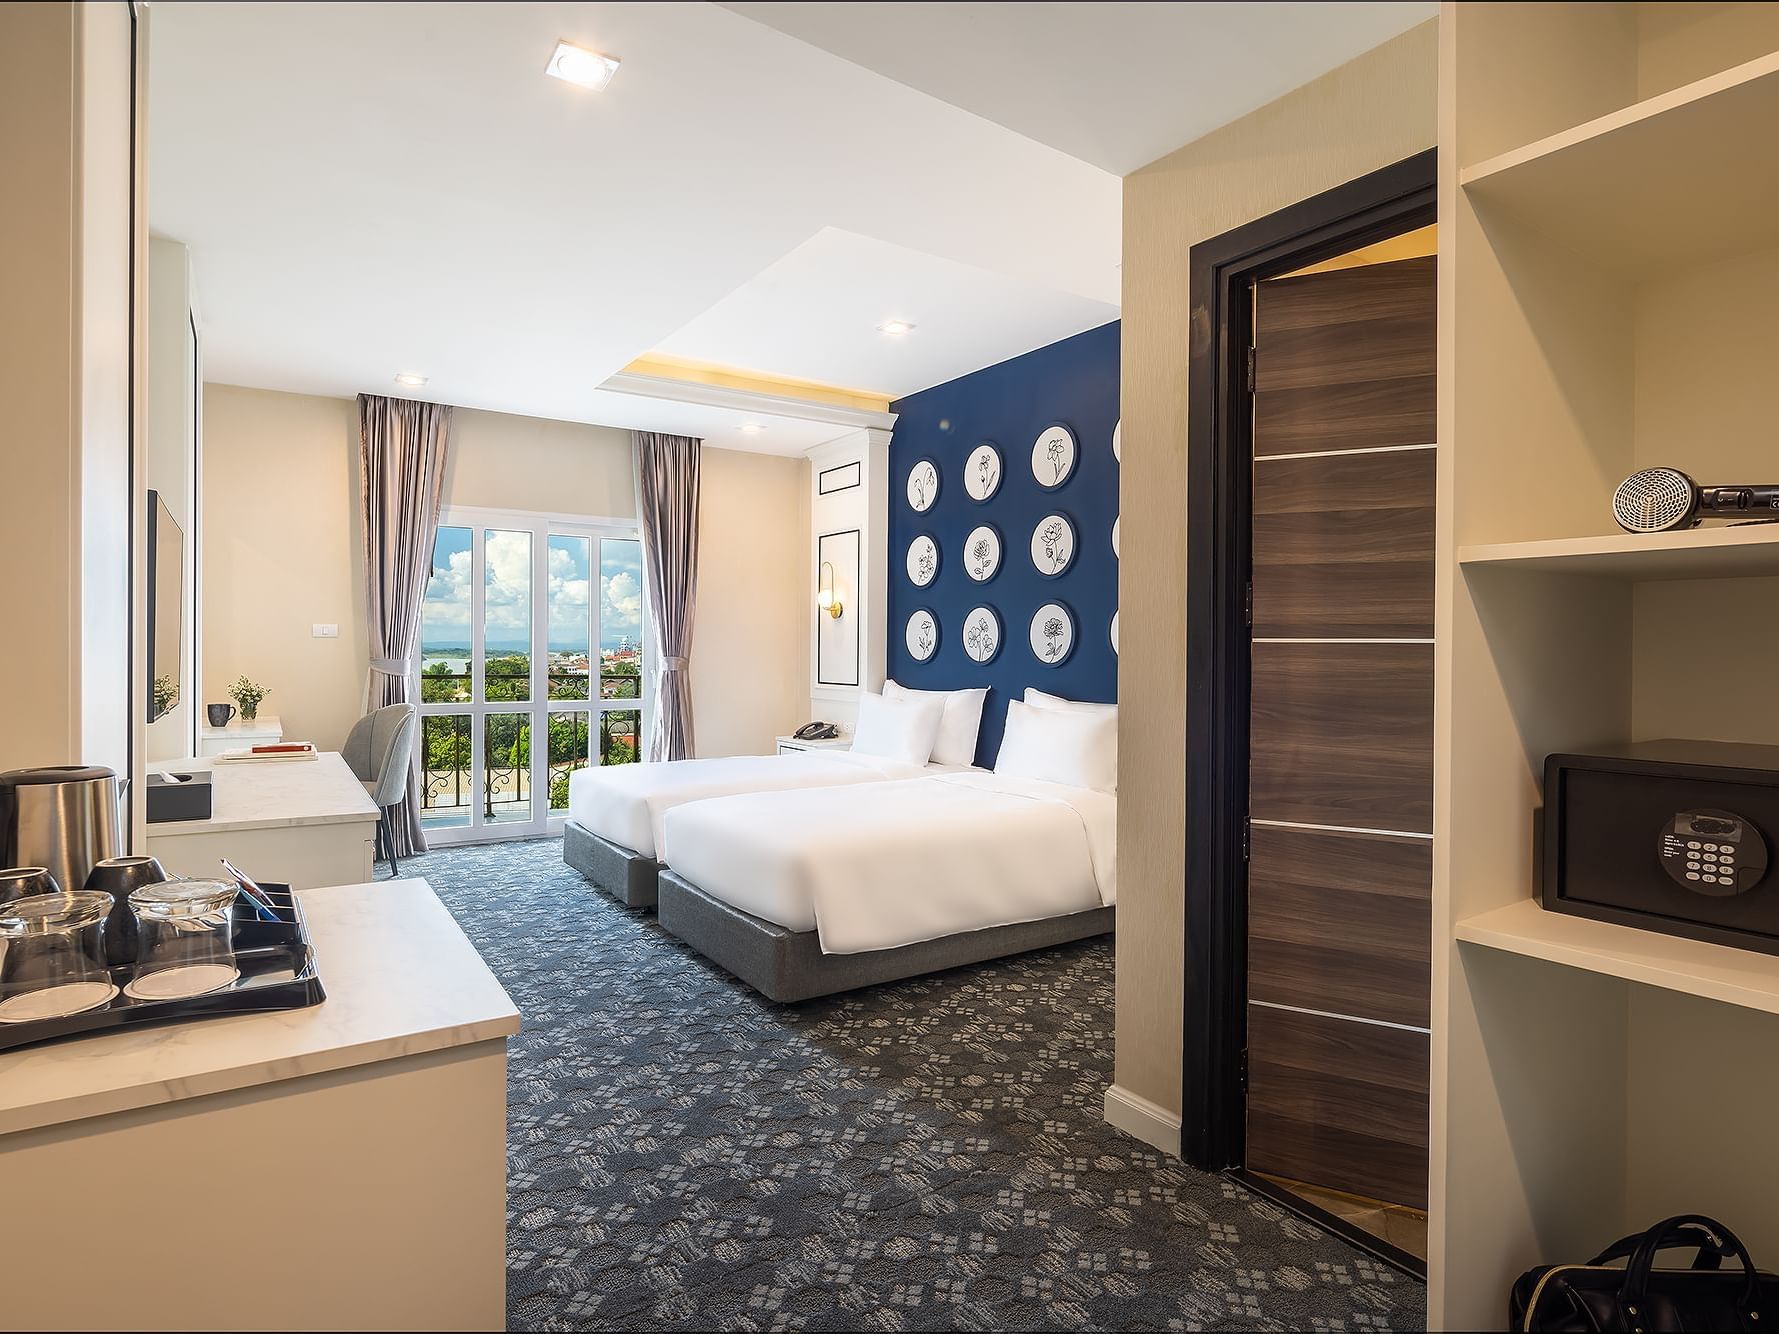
(897, 863)
(625, 804)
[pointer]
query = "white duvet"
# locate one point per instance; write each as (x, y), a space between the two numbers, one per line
(896, 863)
(625, 804)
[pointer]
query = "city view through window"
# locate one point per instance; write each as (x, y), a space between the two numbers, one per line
(551, 634)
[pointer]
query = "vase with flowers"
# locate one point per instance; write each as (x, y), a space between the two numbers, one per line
(247, 696)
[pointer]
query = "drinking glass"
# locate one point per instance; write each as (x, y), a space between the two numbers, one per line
(54, 963)
(184, 939)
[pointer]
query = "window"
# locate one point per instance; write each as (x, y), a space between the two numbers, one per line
(531, 627)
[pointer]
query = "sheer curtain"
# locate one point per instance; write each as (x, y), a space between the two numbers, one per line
(402, 446)
(667, 505)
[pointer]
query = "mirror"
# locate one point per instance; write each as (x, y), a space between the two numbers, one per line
(166, 574)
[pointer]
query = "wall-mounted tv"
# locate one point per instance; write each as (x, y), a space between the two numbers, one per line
(166, 607)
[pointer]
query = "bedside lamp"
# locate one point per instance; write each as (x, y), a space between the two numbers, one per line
(826, 598)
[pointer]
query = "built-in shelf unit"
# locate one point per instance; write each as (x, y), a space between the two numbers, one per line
(1609, 277)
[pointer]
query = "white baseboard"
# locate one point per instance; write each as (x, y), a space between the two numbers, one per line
(1148, 1121)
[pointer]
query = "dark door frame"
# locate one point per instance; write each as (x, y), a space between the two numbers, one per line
(1219, 450)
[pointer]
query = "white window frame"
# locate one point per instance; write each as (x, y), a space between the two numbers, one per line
(541, 526)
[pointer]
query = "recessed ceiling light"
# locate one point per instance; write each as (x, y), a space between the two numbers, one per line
(895, 328)
(751, 428)
(410, 379)
(577, 65)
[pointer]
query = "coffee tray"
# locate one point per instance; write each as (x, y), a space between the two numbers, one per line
(277, 966)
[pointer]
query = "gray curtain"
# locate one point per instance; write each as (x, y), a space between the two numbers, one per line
(401, 464)
(667, 502)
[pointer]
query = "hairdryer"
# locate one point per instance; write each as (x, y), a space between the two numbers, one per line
(1660, 500)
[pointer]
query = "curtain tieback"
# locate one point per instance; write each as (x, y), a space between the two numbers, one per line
(392, 666)
(673, 664)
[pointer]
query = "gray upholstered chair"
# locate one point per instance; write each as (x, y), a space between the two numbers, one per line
(378, 749)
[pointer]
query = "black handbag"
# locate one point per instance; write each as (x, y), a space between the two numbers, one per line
(1600, 1296)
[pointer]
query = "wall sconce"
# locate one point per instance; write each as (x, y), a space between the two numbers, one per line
(826, 598)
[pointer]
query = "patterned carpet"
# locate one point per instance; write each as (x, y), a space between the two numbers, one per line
(928, 1155)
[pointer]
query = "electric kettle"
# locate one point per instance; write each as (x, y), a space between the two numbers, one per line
(64, 818)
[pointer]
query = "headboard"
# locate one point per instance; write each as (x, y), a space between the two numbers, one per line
(1072, 385)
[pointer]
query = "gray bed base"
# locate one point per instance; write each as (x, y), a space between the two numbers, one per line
(789, 966)
(629, 877)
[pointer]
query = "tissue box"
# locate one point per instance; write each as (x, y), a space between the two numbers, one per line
(186, 797)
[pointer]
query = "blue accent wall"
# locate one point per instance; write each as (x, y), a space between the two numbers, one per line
(1074, 382)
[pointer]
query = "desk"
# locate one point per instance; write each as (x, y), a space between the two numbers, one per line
(302, 823)
(336, 1167)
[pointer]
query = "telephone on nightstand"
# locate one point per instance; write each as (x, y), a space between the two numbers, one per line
(816, 731)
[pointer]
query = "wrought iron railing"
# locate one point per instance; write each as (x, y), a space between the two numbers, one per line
(506, 777)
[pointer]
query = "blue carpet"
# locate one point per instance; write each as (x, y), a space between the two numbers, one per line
(924, 1156)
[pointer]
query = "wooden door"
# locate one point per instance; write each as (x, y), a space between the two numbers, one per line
(1341, 742)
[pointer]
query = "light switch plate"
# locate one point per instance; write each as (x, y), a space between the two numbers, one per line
(324, 631)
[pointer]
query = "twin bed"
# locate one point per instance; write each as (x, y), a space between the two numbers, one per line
(819, 872)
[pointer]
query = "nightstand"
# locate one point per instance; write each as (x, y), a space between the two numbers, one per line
(789, 744)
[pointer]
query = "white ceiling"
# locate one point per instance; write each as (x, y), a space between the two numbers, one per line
(1114, 84)
(380, 187)
(843, 285)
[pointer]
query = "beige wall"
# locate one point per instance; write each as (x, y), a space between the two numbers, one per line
(280, 550)
(282, 543)
(499, 461)
(1374, 111)
(750, 664)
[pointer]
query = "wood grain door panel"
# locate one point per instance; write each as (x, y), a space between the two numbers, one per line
(1340, 354)
(1340, 922)
(1338, 1103)
(1401, 289)
(1343, 546)
(1368, 414)
(1342, 734)
(1341, 729)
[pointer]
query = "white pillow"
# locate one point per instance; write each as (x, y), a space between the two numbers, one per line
(961, 722)
(897, 729)
(1039, 700)
(1060, 746)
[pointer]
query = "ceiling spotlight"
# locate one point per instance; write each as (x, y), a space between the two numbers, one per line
(751, 428)
(577, 65)
(410, 379)
(895, 328)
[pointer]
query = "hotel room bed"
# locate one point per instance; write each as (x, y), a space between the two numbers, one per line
(828, 890)
(614, 829)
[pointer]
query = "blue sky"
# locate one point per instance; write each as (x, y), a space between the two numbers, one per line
(507, 590)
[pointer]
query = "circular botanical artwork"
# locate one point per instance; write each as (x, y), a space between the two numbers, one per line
(922, 635)
(923, 486)
(1114, 632)
(982, 553)
(1053, 545)
(982, 634)
(923, 561)
(1053, 456)
(982, 472)
(1115, 523)
(1052, 634)
(1118, 441)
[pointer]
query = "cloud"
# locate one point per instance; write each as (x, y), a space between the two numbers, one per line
(621, 612)
(507, 589)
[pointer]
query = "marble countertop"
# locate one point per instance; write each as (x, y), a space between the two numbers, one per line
(273, 794)
(401, 978)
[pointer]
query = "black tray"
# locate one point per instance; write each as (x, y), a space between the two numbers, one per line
(277, 967)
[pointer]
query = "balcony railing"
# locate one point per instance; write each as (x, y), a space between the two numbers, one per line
(507, 793)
